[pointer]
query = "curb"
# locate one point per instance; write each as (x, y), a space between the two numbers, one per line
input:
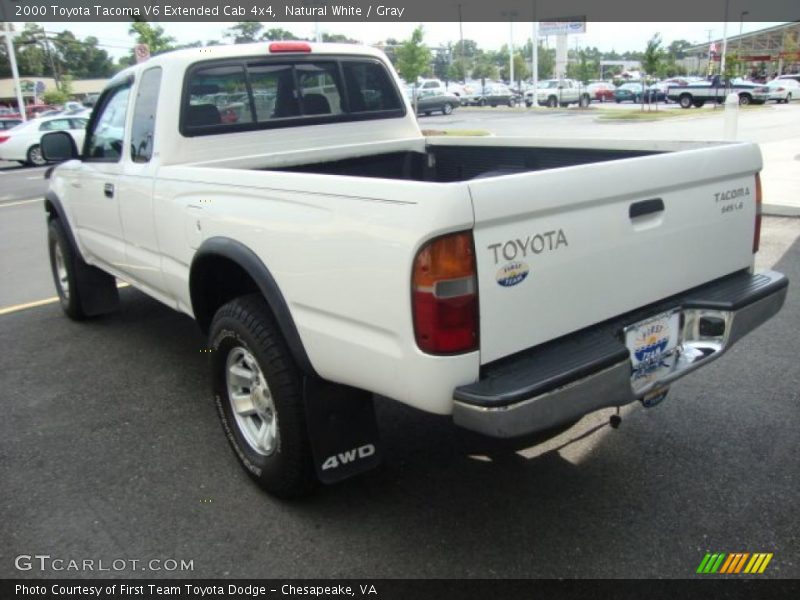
(778, 210)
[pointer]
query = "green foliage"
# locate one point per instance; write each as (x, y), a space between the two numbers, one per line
(653, 55)
(278, 34)
(338, 38)
(413, 57)
(583, 69)
(151, 35)
(484, 68)
(244, 32)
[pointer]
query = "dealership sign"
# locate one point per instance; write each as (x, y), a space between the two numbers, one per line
(563, 26)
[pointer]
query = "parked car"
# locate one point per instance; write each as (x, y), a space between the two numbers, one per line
(716, 89)
(794, 76)
(493, 94)
(431, 101)
(9, 122)
(653, 93)
(601, 91)
(22, 142)
(627, 92)
(35, 110)
(783, 90)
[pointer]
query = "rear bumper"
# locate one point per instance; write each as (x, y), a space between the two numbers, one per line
(570, 377)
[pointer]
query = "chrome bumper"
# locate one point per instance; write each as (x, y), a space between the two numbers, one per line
(523, 395)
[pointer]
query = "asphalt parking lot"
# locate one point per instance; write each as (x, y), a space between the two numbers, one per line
(111, 448)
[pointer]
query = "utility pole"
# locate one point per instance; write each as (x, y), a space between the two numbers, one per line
(724, 42)
(535, 57)
(461, 40)
(9, 35)
(52, 62)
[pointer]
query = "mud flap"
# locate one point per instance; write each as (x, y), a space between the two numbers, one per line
(98, 289)
(342, 428)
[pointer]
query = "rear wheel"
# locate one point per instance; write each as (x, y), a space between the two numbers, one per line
(698, 103)
(447, 109)
(685, 101)
(745, 99)
(35, 156)
(258, 391)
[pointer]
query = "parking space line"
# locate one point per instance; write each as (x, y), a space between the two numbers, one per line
(18, 307)
(7, 310)
(19, 202)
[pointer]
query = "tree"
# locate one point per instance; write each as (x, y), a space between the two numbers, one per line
(338, 38)
(60, 96)
(677, 49)
(441, 63)
(153, 36)
(413, 57)
(244, 32)
(278, 34)
(485, 68)
(582, 69)
(653, 55)
(81, 58)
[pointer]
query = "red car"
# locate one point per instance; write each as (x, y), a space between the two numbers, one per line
(601, 91)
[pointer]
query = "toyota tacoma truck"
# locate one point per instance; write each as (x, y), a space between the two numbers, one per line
(282, 195)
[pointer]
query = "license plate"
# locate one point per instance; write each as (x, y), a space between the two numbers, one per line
(651, 340)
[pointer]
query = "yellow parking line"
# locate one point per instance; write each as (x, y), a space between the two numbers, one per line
(19, 202)
(6, 310)
(18, 307)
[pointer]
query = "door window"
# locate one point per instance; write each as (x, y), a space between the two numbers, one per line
(144, 116)
(105, 141)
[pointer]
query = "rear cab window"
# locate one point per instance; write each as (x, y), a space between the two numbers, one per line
(262, 93)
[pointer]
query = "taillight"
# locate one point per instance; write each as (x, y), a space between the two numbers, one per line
(445, 295)
(757, 231)
(289, 47)
(3, 138)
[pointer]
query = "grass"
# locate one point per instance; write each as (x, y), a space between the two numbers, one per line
(639, 115)
(455, 132)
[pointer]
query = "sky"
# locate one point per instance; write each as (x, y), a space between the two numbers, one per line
(114, 38)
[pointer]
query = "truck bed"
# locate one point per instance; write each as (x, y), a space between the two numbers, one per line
(448, 163)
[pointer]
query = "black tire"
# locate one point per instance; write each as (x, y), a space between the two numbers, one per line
(83, 290)
(745, 99)
(66, 283)
(699, 103)
(685, 100)
(528, 104)
(617, 100)
(584, 101)
(511, 103)
(427, 113)
(482, 102)
(552, 102)
(447, 109)
(34, 156)
(247, 323)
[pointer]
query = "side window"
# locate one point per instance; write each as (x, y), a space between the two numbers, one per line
(79, 123)
(218, 96)
(144, 116)
(55, 125)
(105, 141)
(369, 87)
(319, 88)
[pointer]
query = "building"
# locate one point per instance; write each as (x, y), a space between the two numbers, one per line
(762, 53)
(34, 87)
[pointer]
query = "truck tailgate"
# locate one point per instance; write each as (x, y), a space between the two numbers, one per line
(563, 249)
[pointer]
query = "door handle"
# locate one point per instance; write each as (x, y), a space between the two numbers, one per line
(108, 190)
(645, 207)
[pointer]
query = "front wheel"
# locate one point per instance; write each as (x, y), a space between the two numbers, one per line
(62, 265)
(552, 102)
(447, 109)
(685, 101)
(35, 156)
(745, 99)
(258, 390)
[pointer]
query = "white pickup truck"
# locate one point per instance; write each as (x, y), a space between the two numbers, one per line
(282, 195)
(559, 92)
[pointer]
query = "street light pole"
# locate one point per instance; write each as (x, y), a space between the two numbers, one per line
(724, 42)
(8, 34)
(535, 62)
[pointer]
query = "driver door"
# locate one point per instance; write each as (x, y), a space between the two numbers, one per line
(93, 194)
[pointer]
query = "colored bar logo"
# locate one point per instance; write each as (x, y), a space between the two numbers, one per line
(734, 563)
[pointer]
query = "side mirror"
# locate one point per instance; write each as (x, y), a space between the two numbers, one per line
(58, 146)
